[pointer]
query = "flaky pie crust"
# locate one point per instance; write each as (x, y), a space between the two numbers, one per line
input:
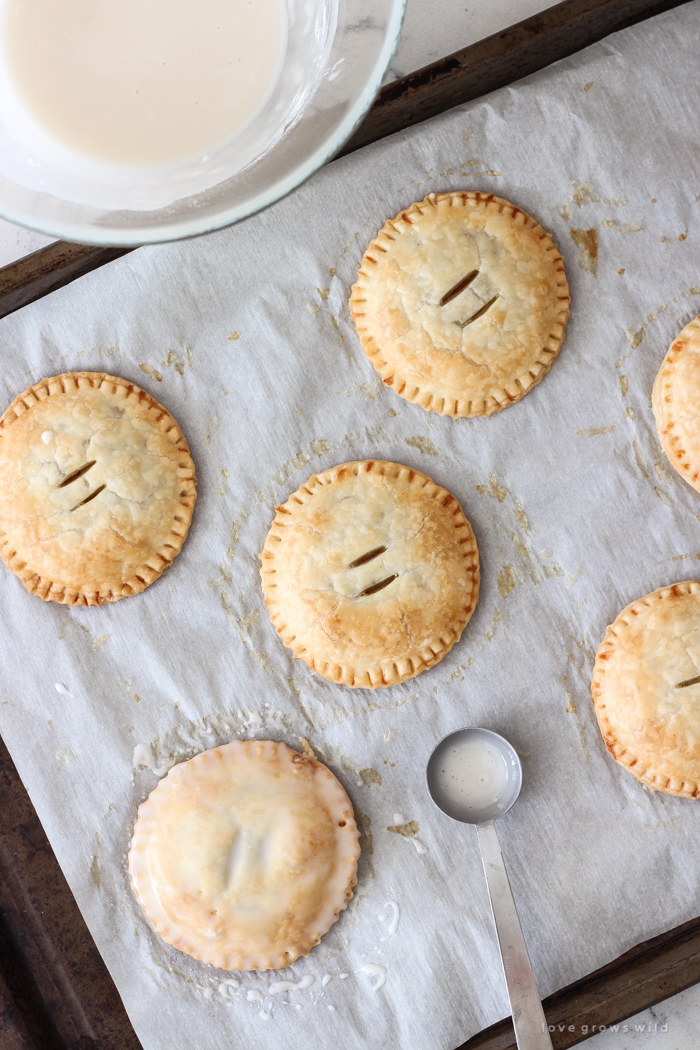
(97, 488)
(370, 573)
(245, 856)
(648, 706)
(433, 354)
(675, 400)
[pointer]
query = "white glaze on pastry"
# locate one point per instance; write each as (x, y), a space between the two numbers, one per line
(245, 856)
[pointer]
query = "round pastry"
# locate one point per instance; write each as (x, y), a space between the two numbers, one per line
(97, 488)
(461, 303)
(370, 572)
(245, 856)
(646, 689)
(675, 400)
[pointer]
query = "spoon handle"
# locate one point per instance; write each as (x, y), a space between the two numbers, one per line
(531, 1032)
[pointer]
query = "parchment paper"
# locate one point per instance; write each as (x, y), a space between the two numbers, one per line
(245, 336)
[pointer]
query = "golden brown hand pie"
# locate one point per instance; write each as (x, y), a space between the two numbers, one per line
(646, 689)
(676, 400)
(370, 573)
(97, 488)
(461, 303)
(245, 856)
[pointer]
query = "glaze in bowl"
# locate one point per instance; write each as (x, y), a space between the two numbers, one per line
(337, 54)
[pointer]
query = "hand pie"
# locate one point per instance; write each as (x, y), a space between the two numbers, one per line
(370, 573)
(675, 400)
(97, 488)
(646, 689)
(245, 856)
(461, 303)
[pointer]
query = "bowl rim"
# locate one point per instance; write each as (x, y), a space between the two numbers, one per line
(134, 237)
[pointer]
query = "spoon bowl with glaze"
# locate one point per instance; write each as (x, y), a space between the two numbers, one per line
(474, 776)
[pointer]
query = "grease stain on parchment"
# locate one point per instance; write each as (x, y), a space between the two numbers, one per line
(521, 517)
(372, 389)
(241, 620)
(509, 575)
(408, 830)
(469, 169)
(662, 474)
(233, 539)
(496, 490)
(506, 580)
(645, 470)
(593, 432)
(660, 824)
(152, 372)
(173, 358)
(423, 444)
(639, 457)
(96, 868)
(344, 714)
(583, 193)
(635, 338)
(524, 552)
(587, 242)
(370, 776)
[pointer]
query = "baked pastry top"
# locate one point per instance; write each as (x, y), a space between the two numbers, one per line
(97, 488)
(646, 689)
(461, 303)
(370, 572)
(244, 856)
(675, 399)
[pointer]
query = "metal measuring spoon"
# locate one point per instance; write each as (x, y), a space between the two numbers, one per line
(475, 776)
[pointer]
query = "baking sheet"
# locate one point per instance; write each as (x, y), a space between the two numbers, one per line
(245, 337)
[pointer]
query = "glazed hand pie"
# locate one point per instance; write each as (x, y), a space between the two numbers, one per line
(370, 573)
(245, 856)
(97, 488)
(461, 303)
(675, 401)
(646, 689)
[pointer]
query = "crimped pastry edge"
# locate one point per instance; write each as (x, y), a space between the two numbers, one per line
(412, 665)
(627, 758)
(143, 890)
(461, 408)
(663, 415)
(49, 590)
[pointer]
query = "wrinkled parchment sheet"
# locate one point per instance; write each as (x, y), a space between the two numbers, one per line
(245, 336)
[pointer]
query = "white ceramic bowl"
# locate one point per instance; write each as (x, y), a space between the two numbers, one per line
(337, 54)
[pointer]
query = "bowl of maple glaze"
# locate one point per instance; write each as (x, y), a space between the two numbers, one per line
(199, 121)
